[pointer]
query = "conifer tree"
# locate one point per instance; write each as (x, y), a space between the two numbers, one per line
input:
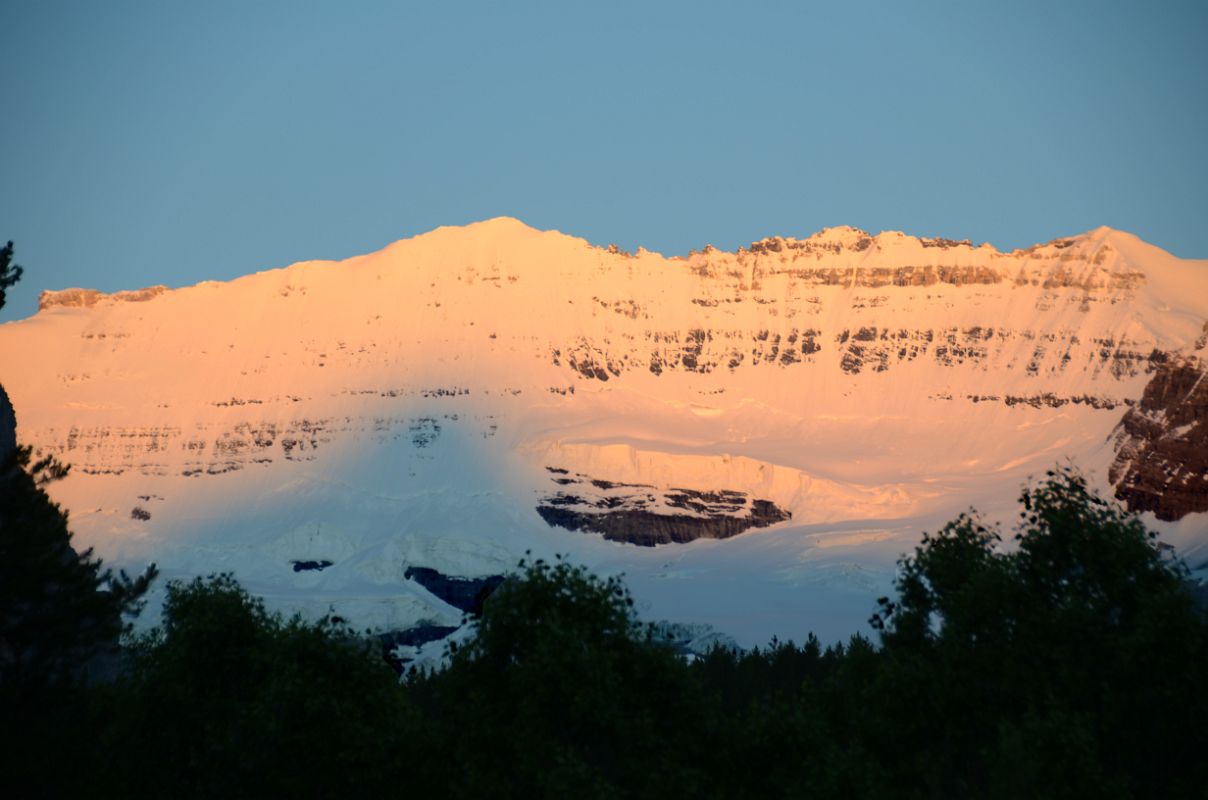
(58, 607)
(10, 273)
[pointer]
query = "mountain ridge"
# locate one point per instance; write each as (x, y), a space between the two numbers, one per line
(492, 230)
(459, 397)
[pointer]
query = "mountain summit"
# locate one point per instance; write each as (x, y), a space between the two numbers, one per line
(458, 398)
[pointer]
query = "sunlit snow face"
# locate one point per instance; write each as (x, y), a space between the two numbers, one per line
(415, 406)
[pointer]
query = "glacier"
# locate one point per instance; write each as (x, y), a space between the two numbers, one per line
(418, 406)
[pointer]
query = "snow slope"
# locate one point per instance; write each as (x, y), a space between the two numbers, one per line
(415, 405)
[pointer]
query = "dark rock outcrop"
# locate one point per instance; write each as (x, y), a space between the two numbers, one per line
(311, 566)
(709, 515)
(642, 515)
(1162, 443)
(647, 529)
(465, 594)
(87, 298)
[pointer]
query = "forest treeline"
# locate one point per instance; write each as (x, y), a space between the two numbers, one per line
(1069, 662)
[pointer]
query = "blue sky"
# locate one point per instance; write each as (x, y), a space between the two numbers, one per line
(172, 142)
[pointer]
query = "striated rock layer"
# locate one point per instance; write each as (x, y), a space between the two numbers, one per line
(1162, 443)
(461, 397)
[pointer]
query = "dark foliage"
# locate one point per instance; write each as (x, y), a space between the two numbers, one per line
(560, 693)
(59, 608)
(61, 616)
(10, 273)
(1073, 657)
(1068, 662)
(225, 699)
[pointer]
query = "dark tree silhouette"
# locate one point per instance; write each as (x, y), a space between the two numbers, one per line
(1067, 664)
(10, 273)
(560, 694)
(1073, 658)
(226, 699)
(59, 608)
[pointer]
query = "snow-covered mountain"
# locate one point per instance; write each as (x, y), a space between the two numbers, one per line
(782, 422)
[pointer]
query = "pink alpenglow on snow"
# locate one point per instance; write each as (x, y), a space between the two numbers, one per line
(753, 437)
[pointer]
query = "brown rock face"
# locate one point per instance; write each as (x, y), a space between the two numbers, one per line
(647, 529)
(1162, 443)
(643, 515)
(87, 298)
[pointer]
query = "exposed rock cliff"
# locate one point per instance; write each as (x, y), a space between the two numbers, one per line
(1162, 442)
(87, 298)
(799, 397)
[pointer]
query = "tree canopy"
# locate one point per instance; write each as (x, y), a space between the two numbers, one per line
(228, 699)
(1065, 658)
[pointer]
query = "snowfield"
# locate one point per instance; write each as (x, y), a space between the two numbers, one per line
(415, 406)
